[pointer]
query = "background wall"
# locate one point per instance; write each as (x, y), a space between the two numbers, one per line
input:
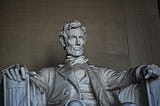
(121, 33)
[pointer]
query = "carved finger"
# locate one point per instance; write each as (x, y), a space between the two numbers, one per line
(13, 74)
(155, 74)
(8, 75)
(157, 70)
(153, 70)
(17, 74)
(26, 69)
(23, 73)
(18, 66)
(147, 76)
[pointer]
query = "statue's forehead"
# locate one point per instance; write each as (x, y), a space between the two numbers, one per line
(75, 32)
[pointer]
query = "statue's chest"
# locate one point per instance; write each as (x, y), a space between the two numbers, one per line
(71, 86)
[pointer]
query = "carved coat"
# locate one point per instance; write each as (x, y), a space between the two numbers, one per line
(52, 86)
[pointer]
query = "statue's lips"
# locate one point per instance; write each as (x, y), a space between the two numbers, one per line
(77, 48)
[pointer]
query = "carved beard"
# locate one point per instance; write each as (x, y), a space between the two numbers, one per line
(70, 51)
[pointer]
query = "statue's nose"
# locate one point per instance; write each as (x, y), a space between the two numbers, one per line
(78, 42)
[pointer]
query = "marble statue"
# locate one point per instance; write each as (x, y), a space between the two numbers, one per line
(74, 83)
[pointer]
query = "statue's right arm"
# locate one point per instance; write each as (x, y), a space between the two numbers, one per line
(41, 80)
(44, 77)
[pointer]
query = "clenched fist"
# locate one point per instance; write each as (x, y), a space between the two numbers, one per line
(151, 71)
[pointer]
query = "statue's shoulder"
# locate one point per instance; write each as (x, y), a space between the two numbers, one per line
(102, 70)
(51, 69)
(47, 69)
(98, 68)
(43, 74)
(46, 72)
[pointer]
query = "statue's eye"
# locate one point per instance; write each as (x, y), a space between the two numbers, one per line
(72, 38)
(81, 37)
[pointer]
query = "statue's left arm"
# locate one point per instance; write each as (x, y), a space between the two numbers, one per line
(114, 80)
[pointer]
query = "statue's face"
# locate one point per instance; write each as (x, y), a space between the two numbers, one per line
(75, 42)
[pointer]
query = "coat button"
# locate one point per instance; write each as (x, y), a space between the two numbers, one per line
(66, 93)
(82, 98)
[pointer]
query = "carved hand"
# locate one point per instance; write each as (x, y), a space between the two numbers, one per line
(151, 71)
(15, 72)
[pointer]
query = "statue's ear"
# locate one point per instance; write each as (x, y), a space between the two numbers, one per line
(62, 41)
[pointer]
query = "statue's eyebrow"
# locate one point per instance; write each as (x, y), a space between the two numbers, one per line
(75, 27)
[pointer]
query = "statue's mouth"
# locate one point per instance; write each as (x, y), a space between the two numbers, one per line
(77, 48)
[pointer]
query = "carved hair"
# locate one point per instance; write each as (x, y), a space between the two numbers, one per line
(67, 27)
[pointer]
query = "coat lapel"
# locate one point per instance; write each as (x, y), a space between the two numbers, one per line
(103, 97)
(66, 73)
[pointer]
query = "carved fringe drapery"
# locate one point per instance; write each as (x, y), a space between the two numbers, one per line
(16, 93)
(153, 91)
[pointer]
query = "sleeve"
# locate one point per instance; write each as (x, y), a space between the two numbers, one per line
(40, 83)
(113, 80)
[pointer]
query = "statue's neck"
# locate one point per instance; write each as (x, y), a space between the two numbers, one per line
(76, 60)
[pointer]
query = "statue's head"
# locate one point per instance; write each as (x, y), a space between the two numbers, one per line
(73, 38)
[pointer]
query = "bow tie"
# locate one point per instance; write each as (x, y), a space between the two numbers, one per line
(76, 60)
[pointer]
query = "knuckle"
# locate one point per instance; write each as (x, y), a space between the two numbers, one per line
(10, 70)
